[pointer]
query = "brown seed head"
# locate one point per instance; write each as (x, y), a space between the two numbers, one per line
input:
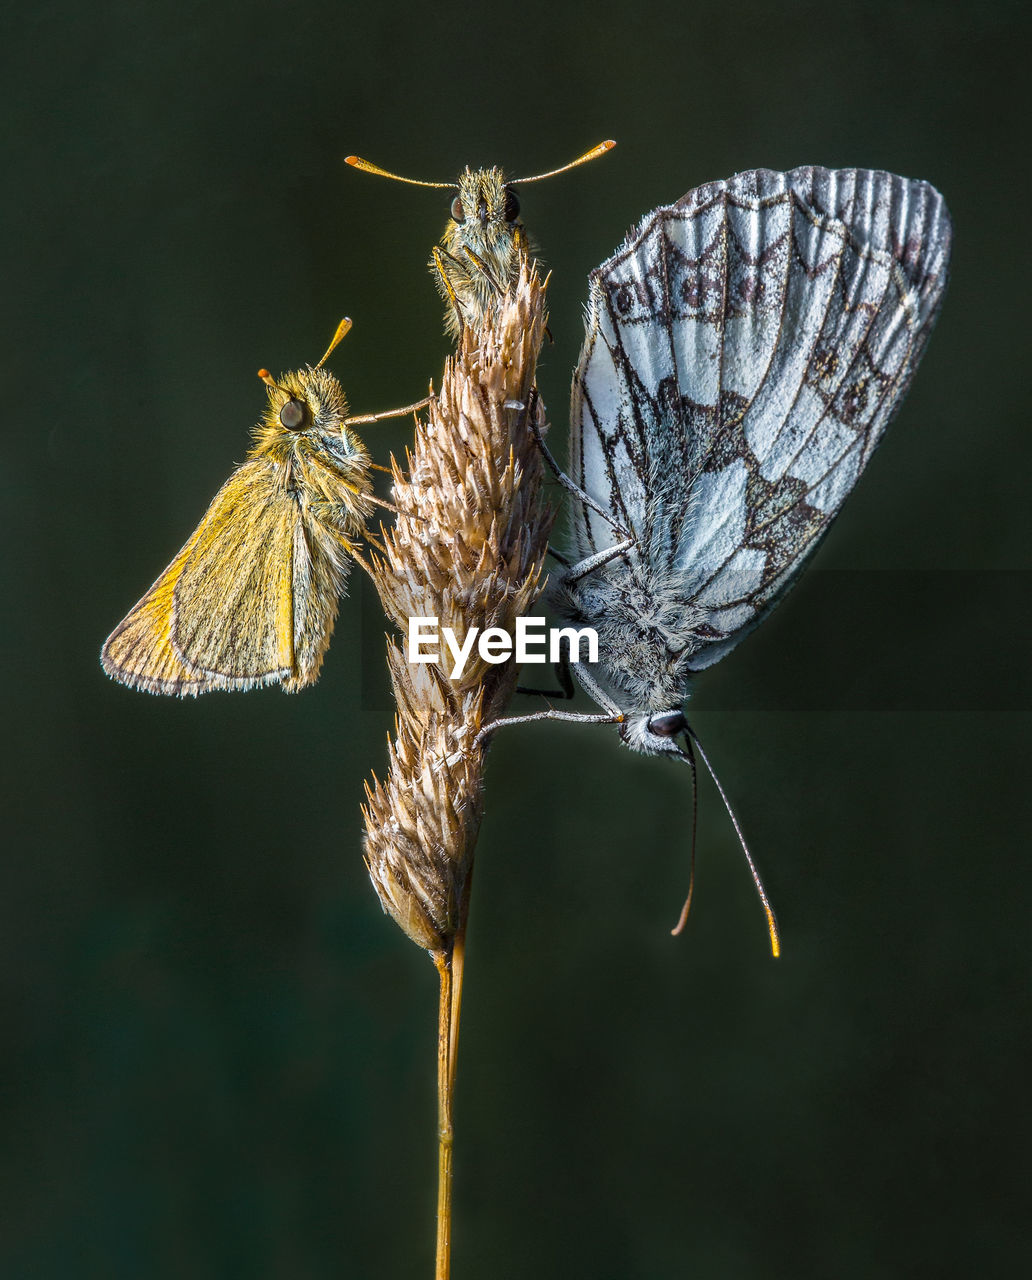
(468, 548)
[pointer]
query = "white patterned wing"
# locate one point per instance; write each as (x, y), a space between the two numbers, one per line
(746, 348)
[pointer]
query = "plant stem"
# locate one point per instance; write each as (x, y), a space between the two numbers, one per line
(445, 1131)
(450, 964)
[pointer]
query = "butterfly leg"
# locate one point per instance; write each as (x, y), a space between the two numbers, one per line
(612, 715)
(570, 485)
(390, 413)
(439, 256)
(484, 269)
(357, 556)
(389, 506)
(551, 714)
(379, 502)
(596, 561)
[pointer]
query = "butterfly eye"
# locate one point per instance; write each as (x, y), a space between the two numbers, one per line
(669, 723)
(458, 213)
(512, 205)
(292, 415)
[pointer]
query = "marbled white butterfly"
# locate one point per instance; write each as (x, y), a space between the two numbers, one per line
(745, 349)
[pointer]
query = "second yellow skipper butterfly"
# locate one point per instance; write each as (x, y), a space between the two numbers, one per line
(252, 597)
(479, 257)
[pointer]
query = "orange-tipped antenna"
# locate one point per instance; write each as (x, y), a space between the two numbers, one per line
(600, 150)
(772, 924)
(682, 919)
(339, 333)
(366, 166)
(341, 330)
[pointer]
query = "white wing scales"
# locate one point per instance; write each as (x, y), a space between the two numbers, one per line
(746, 348)
(757, 281)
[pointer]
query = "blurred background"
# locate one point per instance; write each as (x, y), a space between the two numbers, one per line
(217, 1055)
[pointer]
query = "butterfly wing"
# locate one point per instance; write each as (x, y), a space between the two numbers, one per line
(232, 610)
(221, 615)
(139, 651)
(746, 348)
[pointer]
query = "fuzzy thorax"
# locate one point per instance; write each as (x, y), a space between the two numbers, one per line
(477, 265)
(646, 634)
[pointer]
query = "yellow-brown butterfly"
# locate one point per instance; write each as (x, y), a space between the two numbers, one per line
(252, 597)
(484, 243)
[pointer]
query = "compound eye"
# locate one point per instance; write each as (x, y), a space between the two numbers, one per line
(512, 205)
(669, 723)
(292, 415)
(458, 213)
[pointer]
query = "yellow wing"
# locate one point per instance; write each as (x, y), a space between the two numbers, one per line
(221, 615)
(139, 651)
(232, 607)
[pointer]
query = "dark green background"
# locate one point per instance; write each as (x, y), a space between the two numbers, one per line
(217, 1054)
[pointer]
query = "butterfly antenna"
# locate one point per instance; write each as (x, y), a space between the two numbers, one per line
(366, 166)
(600, 150)
(772, 924)
(340, 332)
(338, 335)
(689, 755)
(266, 377)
